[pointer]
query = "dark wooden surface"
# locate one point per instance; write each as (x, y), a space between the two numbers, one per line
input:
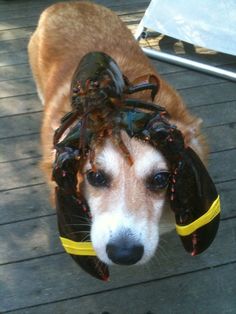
(36, 276)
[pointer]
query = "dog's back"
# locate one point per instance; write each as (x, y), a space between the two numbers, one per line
(67, 31)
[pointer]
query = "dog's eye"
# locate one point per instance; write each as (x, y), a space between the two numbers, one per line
(159, 181)
(98, 178)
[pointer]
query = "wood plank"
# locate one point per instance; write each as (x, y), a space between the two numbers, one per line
(5, 7)
(20, 125)
(221, 137)
(28, 176)
(24, 147)
(24, 32)
(33, 201)
(189, 79)
(25, 203)
(24, 9)
(17, 87)
(156, 296)
(229, 66)
(28, 3)
(57, 277)
(222, 165)
(29, 202)
(166, 68)
(18, 71)
(26, 124)
(13, 58)
(32, 168)
(13, 45)
(183, 81)
(38, 237)
(227, 194)
(212, 114)
(20, 173)
(20, 104)
(28, 239)
(10, 12)
(209, 94)
(26, 21)
(19, 22)
(21, 10)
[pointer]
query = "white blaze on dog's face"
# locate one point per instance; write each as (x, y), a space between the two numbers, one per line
(126, 201)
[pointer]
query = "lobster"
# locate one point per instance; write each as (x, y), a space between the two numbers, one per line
(101, 108)
(98, 91)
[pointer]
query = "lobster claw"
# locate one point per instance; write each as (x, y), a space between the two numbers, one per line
(72, 215)
(196, 203)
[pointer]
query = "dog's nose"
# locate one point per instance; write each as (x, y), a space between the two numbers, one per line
(124, 251)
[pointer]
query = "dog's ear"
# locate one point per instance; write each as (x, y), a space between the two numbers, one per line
(195, 202)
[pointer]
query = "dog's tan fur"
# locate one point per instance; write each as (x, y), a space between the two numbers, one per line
(65, 33)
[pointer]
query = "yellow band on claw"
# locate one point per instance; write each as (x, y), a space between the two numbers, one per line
(78, 248)
(213, 211)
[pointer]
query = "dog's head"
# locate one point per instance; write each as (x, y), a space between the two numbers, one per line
(126, 201)
(117, 202)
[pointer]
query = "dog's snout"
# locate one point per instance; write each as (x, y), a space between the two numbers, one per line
(124, 251)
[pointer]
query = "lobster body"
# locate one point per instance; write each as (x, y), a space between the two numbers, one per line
(100, 75)
(101, 108)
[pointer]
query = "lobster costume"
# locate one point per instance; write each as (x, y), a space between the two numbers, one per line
(102, 107)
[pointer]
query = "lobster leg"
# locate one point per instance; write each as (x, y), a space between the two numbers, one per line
(142, 105)
(96, 141)
(117, 141)
(66, 122)
(143, 83)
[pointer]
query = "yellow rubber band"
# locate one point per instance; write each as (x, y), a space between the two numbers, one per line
(78, 248)
(213, 211)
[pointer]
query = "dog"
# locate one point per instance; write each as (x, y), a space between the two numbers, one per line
(126, 214)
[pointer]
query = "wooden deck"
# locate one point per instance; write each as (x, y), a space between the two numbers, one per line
(36, 276)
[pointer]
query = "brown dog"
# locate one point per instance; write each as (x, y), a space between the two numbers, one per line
(127, 209)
